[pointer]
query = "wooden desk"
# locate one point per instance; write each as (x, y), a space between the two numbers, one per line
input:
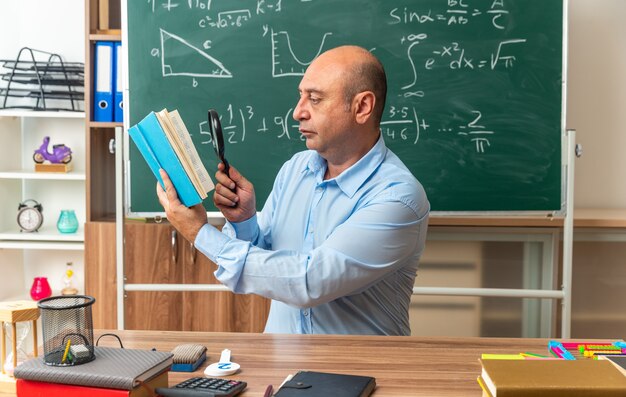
(402, 366)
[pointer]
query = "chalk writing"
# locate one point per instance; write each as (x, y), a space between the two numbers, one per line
(201, 56)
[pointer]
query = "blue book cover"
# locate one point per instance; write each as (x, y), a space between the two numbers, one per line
(151, 141)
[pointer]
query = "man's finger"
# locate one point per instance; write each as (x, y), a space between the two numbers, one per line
(224, 179)
(162, 197)
(170, 191)
(239, 179)
(220, 200)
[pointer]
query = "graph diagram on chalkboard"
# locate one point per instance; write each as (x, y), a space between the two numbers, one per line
(475, 104)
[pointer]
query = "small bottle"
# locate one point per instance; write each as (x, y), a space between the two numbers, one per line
(69, 288)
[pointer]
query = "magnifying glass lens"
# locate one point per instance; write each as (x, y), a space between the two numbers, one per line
(217, 137)
(213, 129)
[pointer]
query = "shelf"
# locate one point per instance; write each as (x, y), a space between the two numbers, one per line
(104, 124)
(57, 176)
(42, 245)
(45, 238)
(495, 220)
(47, 234)
(602, 218)
(35, 113)
(106, 35)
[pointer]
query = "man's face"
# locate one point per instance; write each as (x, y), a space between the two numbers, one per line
(324, 115)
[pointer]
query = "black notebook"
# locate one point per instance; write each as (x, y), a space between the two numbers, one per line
(320, 384)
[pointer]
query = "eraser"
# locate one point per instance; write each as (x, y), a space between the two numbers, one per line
(188, 357)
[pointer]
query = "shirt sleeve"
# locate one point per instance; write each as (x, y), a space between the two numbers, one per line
(247, 230)
(373, 242)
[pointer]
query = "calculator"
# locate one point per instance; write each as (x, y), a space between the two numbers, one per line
(203, 387)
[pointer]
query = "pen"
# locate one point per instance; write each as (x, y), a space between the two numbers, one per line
(577, 345)
(532, 355)
(268, 391)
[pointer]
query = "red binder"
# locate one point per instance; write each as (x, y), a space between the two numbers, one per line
(31, 388)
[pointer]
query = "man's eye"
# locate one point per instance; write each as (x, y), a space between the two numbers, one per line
(314, 100)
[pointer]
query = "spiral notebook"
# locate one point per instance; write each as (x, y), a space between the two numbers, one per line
(113, 368)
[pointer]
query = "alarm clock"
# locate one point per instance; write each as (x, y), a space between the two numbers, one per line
(29, 215)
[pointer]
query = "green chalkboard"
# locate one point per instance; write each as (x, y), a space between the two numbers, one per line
(475, 101)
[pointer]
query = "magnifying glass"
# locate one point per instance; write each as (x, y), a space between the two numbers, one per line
(217, 137)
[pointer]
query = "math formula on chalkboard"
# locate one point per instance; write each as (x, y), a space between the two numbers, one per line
(475, 87)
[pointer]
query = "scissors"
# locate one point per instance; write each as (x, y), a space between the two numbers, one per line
(217, 137)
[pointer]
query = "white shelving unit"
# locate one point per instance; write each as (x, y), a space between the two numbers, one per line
(43, 253)
(57, 27)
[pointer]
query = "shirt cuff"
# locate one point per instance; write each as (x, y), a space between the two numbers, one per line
(247, 230)
(210, 241)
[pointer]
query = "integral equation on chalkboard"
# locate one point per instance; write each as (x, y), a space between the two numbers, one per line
(418, 51)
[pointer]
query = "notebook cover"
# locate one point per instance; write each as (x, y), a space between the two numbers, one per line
(113, 368)
(32, 388)
(571, 378)
(327, 384)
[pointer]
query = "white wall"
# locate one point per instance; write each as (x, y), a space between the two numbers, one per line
(56, 26)
(596, 100)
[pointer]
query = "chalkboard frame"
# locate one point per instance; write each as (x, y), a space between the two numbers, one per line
(216, 216)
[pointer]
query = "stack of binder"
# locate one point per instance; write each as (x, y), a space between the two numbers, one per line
(107, 93)
(114, 372)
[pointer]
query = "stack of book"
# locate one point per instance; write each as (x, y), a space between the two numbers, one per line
(547, 378)
(165, 143)
(114, 373)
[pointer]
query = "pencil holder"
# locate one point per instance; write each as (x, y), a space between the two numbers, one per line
(67, 329)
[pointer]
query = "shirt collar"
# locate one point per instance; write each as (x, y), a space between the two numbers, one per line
(351, 179)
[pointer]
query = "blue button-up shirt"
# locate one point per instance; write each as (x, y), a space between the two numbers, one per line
(336, 256)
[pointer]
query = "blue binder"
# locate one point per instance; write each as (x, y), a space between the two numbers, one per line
(103, 82)
(118, 110)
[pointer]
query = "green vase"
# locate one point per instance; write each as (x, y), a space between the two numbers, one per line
(67, 222)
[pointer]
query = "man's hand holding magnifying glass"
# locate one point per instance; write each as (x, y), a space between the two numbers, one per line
(234, 195)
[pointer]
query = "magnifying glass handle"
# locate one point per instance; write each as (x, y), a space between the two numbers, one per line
(226, 167)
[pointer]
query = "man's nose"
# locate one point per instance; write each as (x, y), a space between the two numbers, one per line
(300, 113)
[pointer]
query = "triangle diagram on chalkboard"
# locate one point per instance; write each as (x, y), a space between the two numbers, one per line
(179, 58)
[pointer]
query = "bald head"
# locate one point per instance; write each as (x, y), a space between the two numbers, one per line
(362, 72)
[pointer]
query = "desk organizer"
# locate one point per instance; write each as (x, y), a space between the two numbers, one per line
(67, 328)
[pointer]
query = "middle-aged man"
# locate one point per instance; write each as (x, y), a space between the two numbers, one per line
(337, 244)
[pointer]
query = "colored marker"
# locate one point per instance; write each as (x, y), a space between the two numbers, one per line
(560, 351)
(533, 355)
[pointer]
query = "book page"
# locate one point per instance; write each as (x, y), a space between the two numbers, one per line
(183, 156)
(185, 138)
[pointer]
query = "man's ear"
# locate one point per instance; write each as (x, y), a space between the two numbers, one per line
(364, 103)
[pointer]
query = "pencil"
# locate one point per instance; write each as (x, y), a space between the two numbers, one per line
(67, 349)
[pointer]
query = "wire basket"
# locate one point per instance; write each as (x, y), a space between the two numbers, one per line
(67, 328)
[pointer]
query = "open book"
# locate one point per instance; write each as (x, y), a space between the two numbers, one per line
(164, 142)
